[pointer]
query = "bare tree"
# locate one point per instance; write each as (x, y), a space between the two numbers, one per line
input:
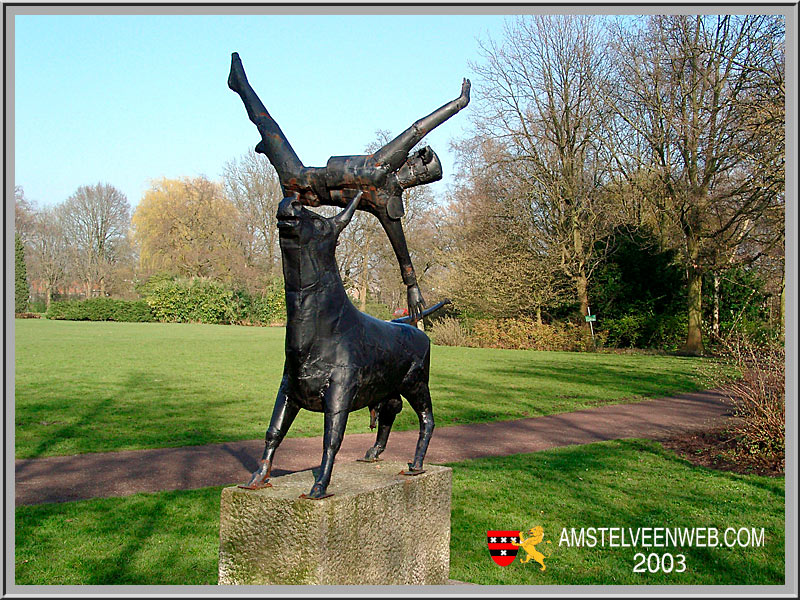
(49, 250)
(24, 214)
(252, 185)
(542, 103)
(686, 89)
(500, 265)
(96, 220)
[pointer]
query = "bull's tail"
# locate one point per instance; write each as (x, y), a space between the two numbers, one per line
(425, 313)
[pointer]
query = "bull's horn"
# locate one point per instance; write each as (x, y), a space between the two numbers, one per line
(341, 220)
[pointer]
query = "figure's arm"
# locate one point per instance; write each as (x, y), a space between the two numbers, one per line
(394, 231)
(273, 142)
(395, 152)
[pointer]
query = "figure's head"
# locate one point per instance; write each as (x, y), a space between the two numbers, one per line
(423, 166)
(297, 223)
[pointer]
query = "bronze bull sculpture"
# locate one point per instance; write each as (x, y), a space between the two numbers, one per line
(339, 359)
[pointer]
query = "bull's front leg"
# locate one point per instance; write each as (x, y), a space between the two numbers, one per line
(338, 400)
(335, 423)
(282, 417)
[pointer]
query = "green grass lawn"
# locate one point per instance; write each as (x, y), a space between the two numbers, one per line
(172, 537)
(100, 386)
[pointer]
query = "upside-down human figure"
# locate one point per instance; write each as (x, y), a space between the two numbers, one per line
(382, 176)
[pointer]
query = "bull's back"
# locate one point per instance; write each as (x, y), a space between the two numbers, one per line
(396, 337)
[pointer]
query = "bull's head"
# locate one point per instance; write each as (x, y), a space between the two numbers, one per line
(308, 240)
(296, 221)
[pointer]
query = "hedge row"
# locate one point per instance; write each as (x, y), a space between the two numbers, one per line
(207, 301)
(629, 331)
(181, 301)
(101, 309)
(195, 301)
(514, 333)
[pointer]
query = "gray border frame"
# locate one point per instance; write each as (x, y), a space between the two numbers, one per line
(790, 587)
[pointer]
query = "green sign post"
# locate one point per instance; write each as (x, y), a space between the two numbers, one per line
(590, 318)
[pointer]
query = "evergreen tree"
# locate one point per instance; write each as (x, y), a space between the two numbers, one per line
(21, 287)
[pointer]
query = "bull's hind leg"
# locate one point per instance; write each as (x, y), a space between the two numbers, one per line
(419, 397)
(386, 414)
(282, 417)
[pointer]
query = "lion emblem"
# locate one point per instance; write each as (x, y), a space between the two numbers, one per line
(529, 545)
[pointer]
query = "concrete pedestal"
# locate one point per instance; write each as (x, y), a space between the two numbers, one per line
(379, 528)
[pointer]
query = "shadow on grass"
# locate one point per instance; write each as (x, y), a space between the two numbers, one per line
(627, 380)
(132, 413)
(167, 538)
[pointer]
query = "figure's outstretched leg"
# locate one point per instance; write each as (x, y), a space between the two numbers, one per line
(282, 417)
(387, 412)
(394, 231)
(394, 154)
(273, 142)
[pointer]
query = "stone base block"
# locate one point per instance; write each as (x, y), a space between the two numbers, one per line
(378, 528)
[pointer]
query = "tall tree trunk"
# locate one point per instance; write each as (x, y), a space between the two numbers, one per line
(581, 280)
(715, 311)
(539, 315)
(694, 334)
(582, 287)
(48, 296)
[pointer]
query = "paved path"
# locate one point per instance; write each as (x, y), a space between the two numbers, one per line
(82, 476)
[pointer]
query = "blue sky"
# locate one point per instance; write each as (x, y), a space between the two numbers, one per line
(124, 99)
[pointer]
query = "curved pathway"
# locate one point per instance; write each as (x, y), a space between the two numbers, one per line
(82, 476)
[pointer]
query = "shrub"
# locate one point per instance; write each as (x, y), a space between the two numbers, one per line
(523, 333)
(379, 310)
(100, 309)
(645, 330)
(191, 301)
(759, 397)
(627, 331)
(449, 331)
(667, 332)
(270, 307)
(37, 305)
(145, 287)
